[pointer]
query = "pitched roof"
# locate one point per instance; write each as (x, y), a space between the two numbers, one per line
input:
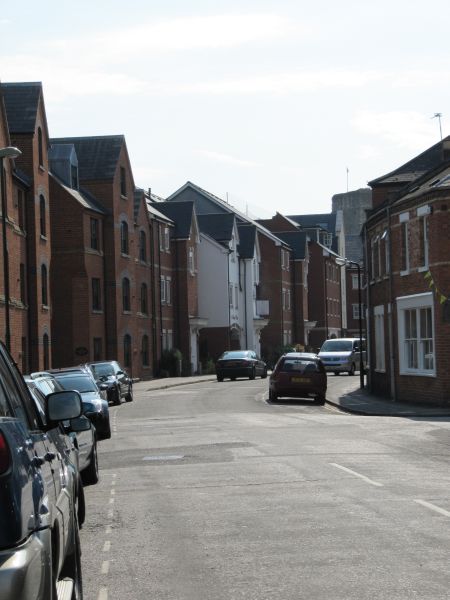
(416, 167)
(181, 213)
(97, 155)
(219, 226)
(247, 240)
(21, 103)
(297, 240)
(82, 196)
(326, 221)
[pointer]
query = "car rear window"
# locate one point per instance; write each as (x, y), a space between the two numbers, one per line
(236, 354)
(299, 365)
(101, 370)
(79, 383)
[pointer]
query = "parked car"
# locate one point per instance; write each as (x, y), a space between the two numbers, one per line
(240, 363)
(110, 373)
(84, 438)
(298, 375)
(94, 406)
(39, 532)
(342, 355)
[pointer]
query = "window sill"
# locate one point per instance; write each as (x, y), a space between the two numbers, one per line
(97, 311)
(124, 255)
(123, 196)
(383, 371)
(45, 307)
(418, 373)
(403, 273)
(127, 312)
(423, 269)
(43, 237)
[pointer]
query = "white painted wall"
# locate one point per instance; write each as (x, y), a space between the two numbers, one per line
(213, 282)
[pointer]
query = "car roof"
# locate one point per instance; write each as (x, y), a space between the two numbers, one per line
(308, 355)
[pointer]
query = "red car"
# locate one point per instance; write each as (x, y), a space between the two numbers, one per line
(298, 375)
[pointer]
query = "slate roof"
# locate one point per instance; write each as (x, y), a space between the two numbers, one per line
(97, 155)
(247, 240)
(22, 177)
(219, 226)
(297, 240)
(83, 197)
(326, 221)
(21, 103)
(416, 167)
(181, 213)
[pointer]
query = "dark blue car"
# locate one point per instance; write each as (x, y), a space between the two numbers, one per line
(39, 540)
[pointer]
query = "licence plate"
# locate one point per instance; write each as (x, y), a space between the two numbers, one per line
(300, 380)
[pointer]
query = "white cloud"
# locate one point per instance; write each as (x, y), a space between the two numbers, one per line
(185, 33)
(406, 129)
(226, 158)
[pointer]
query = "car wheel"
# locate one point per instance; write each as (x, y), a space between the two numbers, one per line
(81, 504)
(252, 374)
(273, 397)
(233, 378)
(336, 373)
(320, 399)
(116, 396)
(89, 475)
(129, 395)
(352, 370)
(219, 377)
(264, 374)
(72, 565)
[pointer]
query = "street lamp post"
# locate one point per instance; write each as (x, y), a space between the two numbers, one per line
(8, 152)
(344, 262)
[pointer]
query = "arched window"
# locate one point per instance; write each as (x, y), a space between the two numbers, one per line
(126, 304)
(144, 351)
(44, 285)
(142, 246)
(40, 148)
(46, 351)
(144, 299)
(42, 220)
(124, 238)
(127, 350)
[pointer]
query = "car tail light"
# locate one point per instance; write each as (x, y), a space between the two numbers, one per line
(5, 457)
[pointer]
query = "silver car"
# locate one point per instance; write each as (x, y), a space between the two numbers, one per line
(343, 355)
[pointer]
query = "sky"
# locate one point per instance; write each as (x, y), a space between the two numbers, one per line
(273, 105)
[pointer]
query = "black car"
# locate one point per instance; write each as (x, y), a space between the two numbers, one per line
(39, 538)
(240, 363)
(110, 372)
(84, 439)
(94, 406)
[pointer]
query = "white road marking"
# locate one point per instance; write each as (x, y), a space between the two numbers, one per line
(108, 529)
(111, 500)
(357, 474)
(105, 567)
(103, 594)
(110, 514)
(437, 509)
(113, 492)
(107, 546)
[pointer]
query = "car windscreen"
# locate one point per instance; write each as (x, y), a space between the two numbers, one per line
(337, 346)
(102, 370)
(236, 354)
(299, 365)
(80, 383)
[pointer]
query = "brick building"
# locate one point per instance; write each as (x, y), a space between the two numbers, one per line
(28, 225)
(407, 246)
(110, 282)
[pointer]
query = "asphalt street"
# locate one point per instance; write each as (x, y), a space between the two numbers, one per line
(208, 491)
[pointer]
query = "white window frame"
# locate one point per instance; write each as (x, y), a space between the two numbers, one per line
(191, 261)
(230, 295)
(355, 311)
(380, 351)
(166, 239)
(415, 302)
(288, 299)
(163, 289)
(355, 286)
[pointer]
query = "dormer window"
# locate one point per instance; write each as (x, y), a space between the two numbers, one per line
(123, 182)
(74, 176)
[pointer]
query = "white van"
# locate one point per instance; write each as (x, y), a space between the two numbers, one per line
(342, 354)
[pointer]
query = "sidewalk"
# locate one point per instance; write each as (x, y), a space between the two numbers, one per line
(356, 401)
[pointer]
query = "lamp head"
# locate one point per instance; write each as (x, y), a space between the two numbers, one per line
(10, 152)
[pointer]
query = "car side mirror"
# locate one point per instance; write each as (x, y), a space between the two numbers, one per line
(80, 423)
(63, 406)
(103, 386)
(120, 373)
